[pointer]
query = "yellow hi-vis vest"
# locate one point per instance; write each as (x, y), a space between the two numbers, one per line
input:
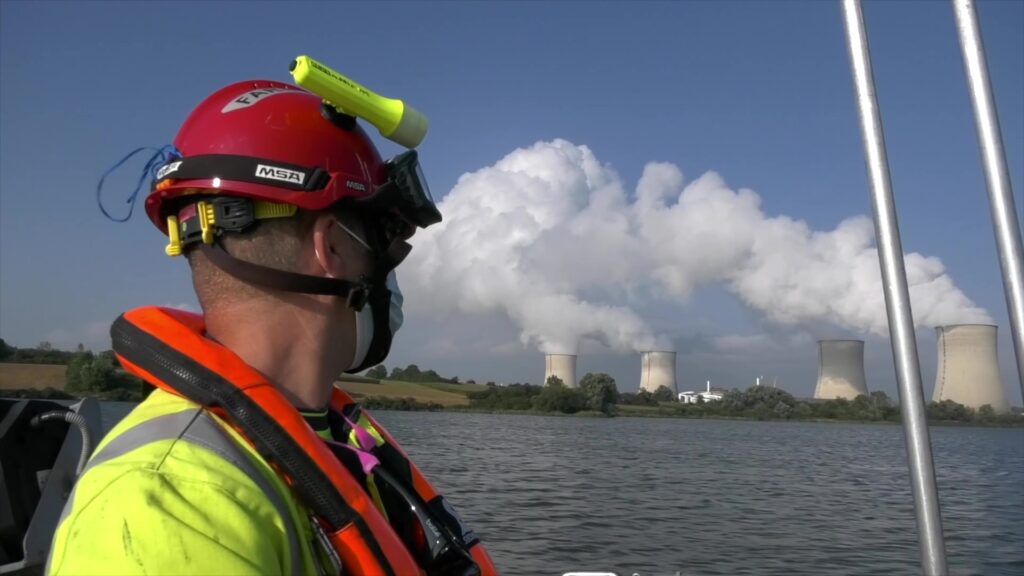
(172, 489)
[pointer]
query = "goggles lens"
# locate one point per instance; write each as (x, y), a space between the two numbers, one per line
(406, 192)
(423, 183)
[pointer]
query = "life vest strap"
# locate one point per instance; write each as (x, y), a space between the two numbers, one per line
(178, 373)
(168, 349)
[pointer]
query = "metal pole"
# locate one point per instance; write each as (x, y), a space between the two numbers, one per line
(1000, 194)
(897, 301)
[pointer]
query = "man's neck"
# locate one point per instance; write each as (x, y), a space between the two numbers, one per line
(292, 346)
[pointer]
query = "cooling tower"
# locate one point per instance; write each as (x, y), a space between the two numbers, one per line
(561, 365)
(968, 369)
(840, 369)
(658, 369)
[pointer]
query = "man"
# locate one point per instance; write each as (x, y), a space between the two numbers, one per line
(246, 459)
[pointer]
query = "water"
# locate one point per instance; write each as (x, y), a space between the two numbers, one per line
(660, 496)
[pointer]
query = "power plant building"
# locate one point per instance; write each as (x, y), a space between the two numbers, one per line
(840, 370)
(561, 365)
(968, 367)
(658, 369)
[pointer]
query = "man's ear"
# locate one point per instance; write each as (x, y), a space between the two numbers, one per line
(327, 247)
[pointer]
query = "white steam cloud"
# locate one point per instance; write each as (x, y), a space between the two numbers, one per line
(549, 237)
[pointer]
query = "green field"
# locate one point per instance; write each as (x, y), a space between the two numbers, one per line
(440, 392)
(456, 388)
(31, 376)
(627, 410)
(39, 376)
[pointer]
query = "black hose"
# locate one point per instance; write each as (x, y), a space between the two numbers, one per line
(78, 422)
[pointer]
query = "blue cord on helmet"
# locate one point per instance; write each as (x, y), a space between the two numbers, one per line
(160, 157)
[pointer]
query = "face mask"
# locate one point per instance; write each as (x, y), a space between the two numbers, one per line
(377, 323)
(364, 335)
(395, 316)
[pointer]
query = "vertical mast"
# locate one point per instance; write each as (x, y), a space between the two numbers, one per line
(1000, 193)
(897, 300)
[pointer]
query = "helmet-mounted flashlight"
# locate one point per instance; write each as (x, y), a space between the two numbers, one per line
(396, 120)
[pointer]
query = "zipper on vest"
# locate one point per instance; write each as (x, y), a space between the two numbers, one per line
(326, 549)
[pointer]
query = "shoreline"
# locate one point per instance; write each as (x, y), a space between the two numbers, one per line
(592, 414)
(415, 406)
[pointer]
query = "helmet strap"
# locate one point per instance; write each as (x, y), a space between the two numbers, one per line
(355, 293)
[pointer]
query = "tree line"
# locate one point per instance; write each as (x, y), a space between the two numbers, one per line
(44, 353)
(410, 373)
(87, 374)
(101, 375)
(400, 404)
(598, 393)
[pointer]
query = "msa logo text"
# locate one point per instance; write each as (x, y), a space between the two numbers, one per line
(168, 169)
(352, 184)
(281, 174)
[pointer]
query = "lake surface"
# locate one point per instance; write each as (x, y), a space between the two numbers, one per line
(664, 496)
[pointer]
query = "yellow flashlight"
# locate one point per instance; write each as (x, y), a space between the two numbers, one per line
(396, 120)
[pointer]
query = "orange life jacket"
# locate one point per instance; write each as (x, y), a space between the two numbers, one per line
(166, 348)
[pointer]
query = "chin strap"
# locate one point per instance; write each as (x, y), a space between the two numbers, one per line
(355, 293)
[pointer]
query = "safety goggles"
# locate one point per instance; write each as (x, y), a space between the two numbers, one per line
(405, 192)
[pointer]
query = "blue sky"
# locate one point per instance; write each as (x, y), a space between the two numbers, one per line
(758, 92)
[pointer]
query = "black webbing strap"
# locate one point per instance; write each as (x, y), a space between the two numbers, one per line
(244, 169)
(357, 293)
(198, 383)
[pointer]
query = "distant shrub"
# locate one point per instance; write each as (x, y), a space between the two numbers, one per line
(91, 374)
(402, 404)
(42, 354)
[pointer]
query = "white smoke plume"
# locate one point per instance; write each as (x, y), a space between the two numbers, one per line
(549, 237)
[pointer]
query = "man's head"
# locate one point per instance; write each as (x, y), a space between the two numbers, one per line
(277, 197)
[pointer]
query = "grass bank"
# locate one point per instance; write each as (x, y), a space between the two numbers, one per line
(43, 380)
(31, 376)
(443, 393)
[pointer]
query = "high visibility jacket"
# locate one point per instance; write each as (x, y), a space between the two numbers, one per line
(173, 490)
(241, 484)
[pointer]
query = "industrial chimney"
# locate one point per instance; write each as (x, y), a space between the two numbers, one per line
(840, 369)
(658, 369)
(968, 368)
(561, 365)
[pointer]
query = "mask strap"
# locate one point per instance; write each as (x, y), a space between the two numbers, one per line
(354, 236)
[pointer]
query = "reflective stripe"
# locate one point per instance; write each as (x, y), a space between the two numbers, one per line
(162, 427)
(198, 427)
(207, 433)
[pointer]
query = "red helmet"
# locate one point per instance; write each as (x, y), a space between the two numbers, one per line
(269, 141)
(259, 149)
